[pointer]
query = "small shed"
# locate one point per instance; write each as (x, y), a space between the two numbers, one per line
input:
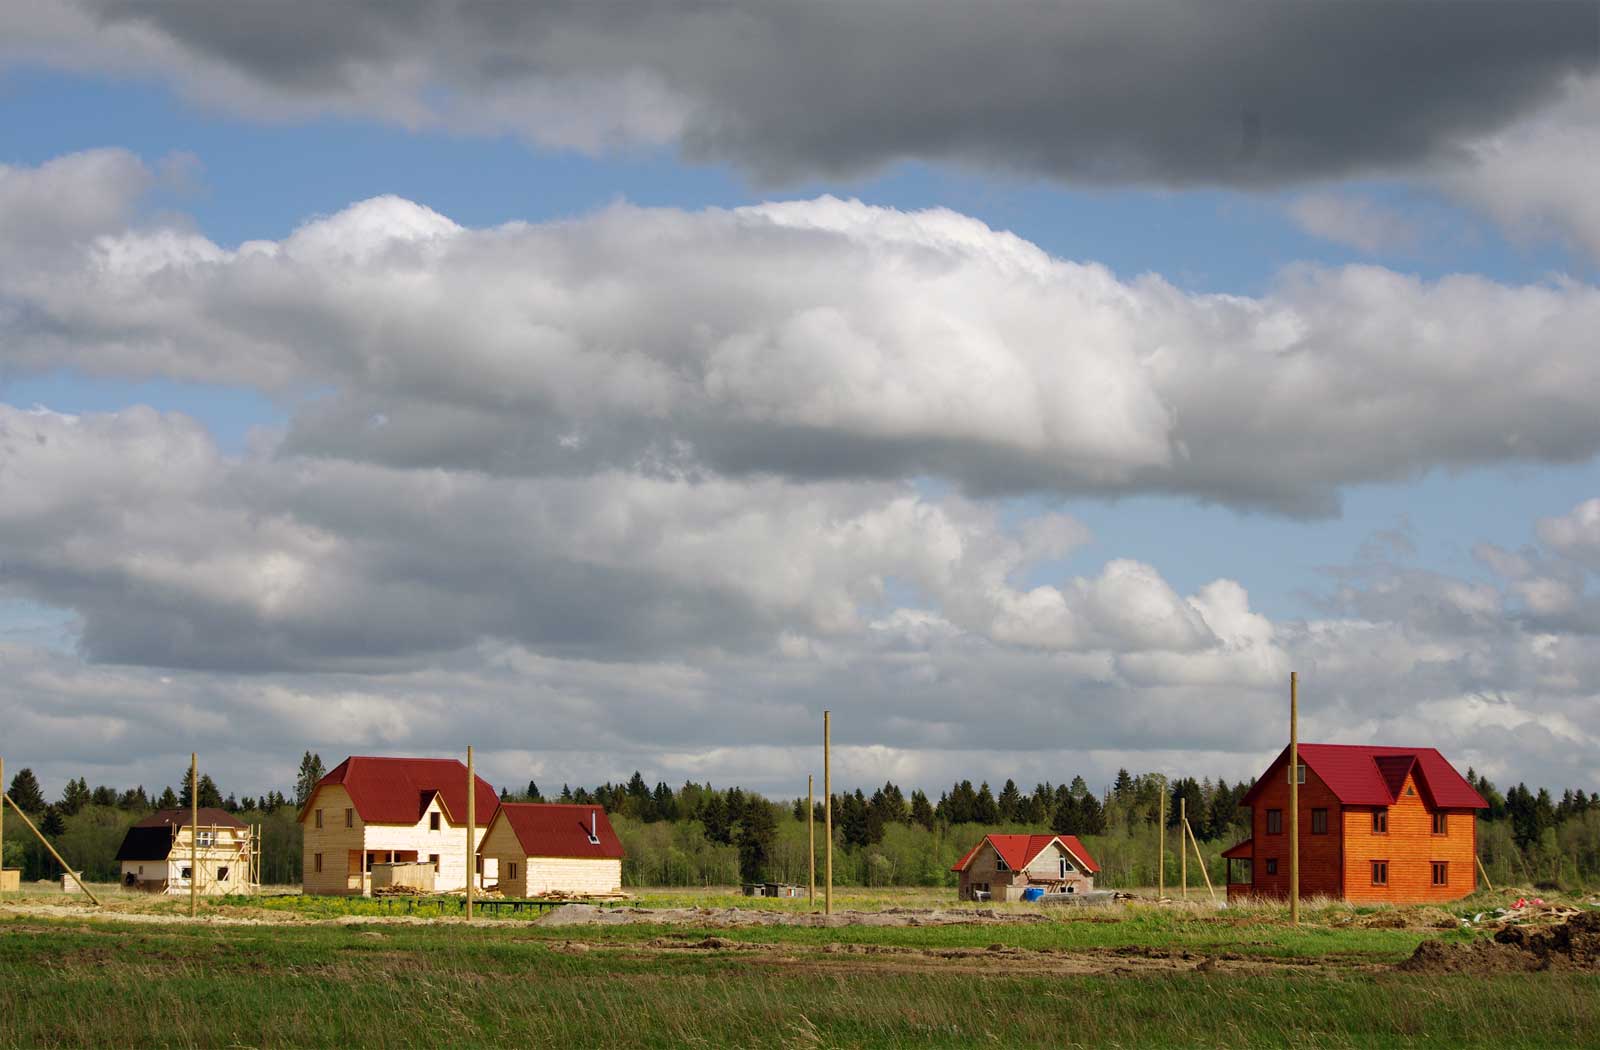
(543, 848)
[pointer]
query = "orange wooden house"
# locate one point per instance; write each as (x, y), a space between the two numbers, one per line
(1394, 824)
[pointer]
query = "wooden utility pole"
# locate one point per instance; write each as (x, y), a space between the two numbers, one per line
(1201, 860)
(1294, 798)
(472, 831)
(1161, 842)
(7, 799)
(811, 836)
(3, 830)
(827, 814)
(1183, 854)
(194, 834)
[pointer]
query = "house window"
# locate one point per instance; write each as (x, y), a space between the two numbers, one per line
(1410, 791)
(1000, 863)
(1380, 821)
(183, 873)
(1274, 822)
(1272, 865)
(1299, 773)
(141, 869)
(433, 822)
(1380, 873)
(207, 839)
(1441, 824)
(433, 858)
(1066, 869)
(349, 818)
(316, 861)
(1319, 822)
(222, 874)
(319, 819)
(1441, 873)
(511, 869)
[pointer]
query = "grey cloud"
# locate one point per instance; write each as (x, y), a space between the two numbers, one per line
(1244, 92)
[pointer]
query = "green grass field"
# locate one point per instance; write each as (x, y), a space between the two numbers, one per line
(89, 982)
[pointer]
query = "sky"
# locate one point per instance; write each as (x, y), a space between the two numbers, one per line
(617, 389)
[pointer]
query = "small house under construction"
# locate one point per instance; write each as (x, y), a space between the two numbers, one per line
(541, 848)
(1002, 867)
(160, 853)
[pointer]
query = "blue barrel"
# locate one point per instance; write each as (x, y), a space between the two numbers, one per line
(1032, 893)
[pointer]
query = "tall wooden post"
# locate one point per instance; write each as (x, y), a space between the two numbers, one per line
(3, 827)
(194, 834)
(811, 836)
(7, 800)
(1161, 842)
(827, 814)
(1294, 798)
(472, 831)
(1183, 854)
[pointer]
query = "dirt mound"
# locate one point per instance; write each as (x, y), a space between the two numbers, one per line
(1572, 945)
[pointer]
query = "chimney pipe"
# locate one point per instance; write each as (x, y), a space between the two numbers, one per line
(594, 826)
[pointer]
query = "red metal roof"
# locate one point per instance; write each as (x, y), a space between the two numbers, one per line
(1363, 775)
(1243, 851)
(547, 829)
(398, 790)
(210, 816)
(1018, 851)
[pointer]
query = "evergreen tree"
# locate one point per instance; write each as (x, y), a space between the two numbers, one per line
(1067, 818)
(25, 792)
(666, 806)
(1008, 805)
(714, 815)
(167, 800)
(533, 792)
(52, 824)
(757, 835)
(1079, 788)
(75, 797)
(104, 796)
(1122, 790)
(306, 779)
(1091, 816)
(921, 811)
(566, 794)
(984, 810)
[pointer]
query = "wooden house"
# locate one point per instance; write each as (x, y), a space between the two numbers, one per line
(1002, 866)
(369, 811)
(538, 849)
(1392, 824)
(158, 854)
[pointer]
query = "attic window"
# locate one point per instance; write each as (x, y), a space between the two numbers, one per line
(1410, 790)
(433, 822)
(1000, 863)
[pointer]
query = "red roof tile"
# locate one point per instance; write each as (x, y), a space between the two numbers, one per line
(1363, 775)
(546, 829)
(1018, 851)
(398, 790)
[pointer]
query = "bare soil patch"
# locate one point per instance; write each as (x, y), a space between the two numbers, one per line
(1571, 945)
(590, 915)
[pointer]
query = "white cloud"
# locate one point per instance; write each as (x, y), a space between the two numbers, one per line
(822, 340)
(1354, 221)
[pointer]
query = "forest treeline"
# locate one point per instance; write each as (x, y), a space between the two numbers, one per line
(700, 835)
